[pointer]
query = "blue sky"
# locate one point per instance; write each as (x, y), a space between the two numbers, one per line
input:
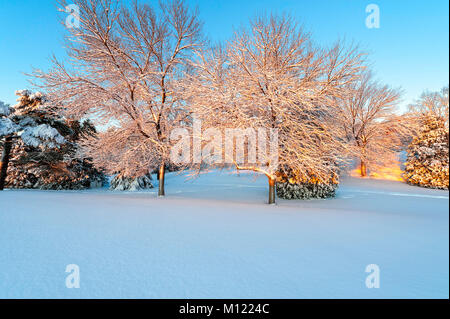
(409, 50)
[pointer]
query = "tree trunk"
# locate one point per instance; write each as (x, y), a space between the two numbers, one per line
(5, 160)
(363, 169)
(162, 172)
(271, 190)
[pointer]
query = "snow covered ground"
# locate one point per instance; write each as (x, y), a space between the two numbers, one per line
(214, 237)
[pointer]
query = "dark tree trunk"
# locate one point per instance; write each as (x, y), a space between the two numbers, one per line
(161, 174)
(271, 190)
(5, 160)
(363, 169)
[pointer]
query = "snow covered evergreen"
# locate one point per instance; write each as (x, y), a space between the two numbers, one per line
(123, 183)
(428, 158)
(25, 120)
(41, 146)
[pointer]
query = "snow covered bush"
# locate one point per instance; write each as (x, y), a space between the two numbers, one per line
(295, 185)
(427, 164)
(123, 183)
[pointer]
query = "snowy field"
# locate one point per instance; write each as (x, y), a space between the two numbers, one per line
(214, 237)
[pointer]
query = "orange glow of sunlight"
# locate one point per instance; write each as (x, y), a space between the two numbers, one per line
(392, 173)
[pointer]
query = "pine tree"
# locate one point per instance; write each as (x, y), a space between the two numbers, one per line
(427, 164)
(40, 146)
(24, 122)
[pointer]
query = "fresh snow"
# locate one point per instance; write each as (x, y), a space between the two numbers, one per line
(7, 127)
(214, 237)
(4, 109)
(31, 133)
(42, 134)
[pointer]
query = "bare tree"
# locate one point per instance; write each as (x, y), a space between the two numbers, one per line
(274, 77)
(371, 123)
(434, 104)
(124, 70)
